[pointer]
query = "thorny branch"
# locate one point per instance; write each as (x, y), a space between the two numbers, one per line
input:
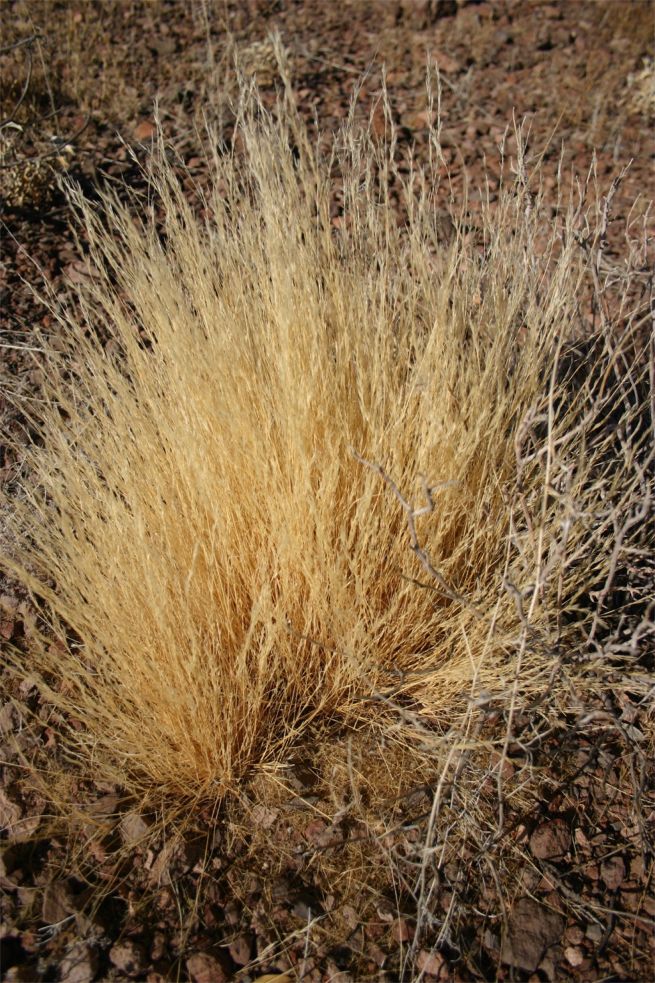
(412, 514)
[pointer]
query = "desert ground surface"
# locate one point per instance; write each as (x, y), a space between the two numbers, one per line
(554, 882)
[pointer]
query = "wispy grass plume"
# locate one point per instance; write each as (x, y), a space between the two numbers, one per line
(312, 463)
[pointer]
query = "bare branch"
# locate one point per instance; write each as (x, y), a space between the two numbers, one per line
(20, 44)
(412, 514)
(21, 98)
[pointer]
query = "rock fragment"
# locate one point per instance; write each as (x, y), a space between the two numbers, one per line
(240, 949)
(205, 968)
(133, 828)
(612, 872)
(430, 962)
(129, 957)
(57, 902)
(550, 840)
(80, 964)
(532, 929)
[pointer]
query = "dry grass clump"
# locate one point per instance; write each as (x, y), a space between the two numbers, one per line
(312, 466)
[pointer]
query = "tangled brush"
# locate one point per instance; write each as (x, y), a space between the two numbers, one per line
(312, 466)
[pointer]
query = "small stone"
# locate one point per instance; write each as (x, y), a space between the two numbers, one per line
(129, 957)
(612, 872)
(549, 965)
(631, 901)
(550, 840)
(241, 949)
(402, 931)
(133, 828)
(350, 917)
(263, 817)
(232, 913)
(302, 910)
(78, 271)
(97, 851)
(160, 869)
(57, 902)
(144, 130)
(333, 974)
(159, 945)
(445, 62)
(10, 813)
(8, 718)
(430, 963)
(377, 954)
(531, 930)
(79, 965)
(574, 955)
(106, 806)
(315, 831)
(204, 968)
(574, 935)
(499, 761)
(648, 904)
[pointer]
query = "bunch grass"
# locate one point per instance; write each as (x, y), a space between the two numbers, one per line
(287, 471)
